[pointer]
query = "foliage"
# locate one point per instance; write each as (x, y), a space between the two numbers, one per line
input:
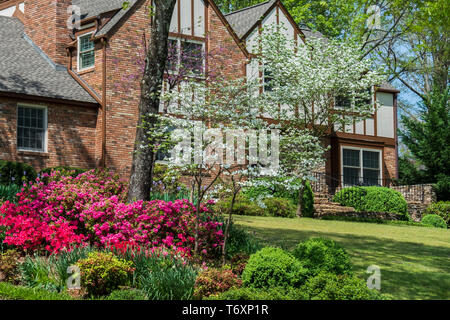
(127, 294)
(241, 242)
(101, 273)
(214, 281)
(167, 181)
(425, 135)
(39, 272)
(64, 171)
(8, 192)
(242, 206)
(238, 263)
(329, 286)
(9, 291)
(409, 173)
(90, 209)
(16, 173)
(9, 261)
(373, 199)
(279, 207)
(250, 293)
(167, 278)
(442, 209)
(272, 267)
(434, 220)
(321, 254)
(281, 188)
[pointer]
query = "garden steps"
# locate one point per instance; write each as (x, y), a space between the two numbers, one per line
(323, 205)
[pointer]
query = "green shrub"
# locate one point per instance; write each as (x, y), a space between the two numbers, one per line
(373, 199)
(9, 291)
(127, 294)
(319, 254)
(65, 171)
(39, 272)
(250, 293)
(164, 277)
(101, 273)
(434, 220)
(280, 207)
(276, 187)
(329, 286)
(272, 267)
(16, 173)
(9, 262)
(242, 206)
(241, 241)
(8, 192)
(215, 281)
(442, 209)
(167, 182)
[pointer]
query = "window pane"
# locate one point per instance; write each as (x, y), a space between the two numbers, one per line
(371, 159)
(30, 128)
(85, 43)
(192, 56)
(87, 59)
(351, 176)
(351, 157)
(343, 102)
(371, 177)
(267, 79)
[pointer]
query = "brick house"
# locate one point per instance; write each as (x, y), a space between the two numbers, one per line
(68, 96)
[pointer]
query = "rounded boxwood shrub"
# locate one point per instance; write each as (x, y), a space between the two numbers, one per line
(127, 294)
(442, 209)
(16, 173)
(434, 220)
(215, 281)
(373, 199)
(279, 207)
(250, 293)
(329, 286)
(320, 254)
(101, 273)
(271, 267)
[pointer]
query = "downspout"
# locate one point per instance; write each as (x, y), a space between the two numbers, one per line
(103, 160)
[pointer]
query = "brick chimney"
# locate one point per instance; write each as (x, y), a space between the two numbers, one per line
(46, 25)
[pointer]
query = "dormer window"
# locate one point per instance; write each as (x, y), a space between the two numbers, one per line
(86, 52)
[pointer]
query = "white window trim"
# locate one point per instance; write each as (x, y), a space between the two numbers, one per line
(25, 105)
(361, 168)
(179, 40)
(79, 52)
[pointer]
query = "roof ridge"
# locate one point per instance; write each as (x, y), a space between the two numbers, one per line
(248, 8)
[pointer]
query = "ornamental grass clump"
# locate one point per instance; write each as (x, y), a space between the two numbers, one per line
(101, 273)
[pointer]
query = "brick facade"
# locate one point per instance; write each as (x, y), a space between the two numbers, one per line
(70, 131)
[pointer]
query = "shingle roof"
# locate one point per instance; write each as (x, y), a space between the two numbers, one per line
(387, 86)
(25, 69)
(243, 20)
(93, 8)
(115, 19)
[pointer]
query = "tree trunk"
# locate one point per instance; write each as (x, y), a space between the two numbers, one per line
(155, 61)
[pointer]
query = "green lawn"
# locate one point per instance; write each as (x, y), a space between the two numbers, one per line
(414, 261)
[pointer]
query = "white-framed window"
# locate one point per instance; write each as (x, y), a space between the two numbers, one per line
(361, 166)
(86, 52)
(31, 128)
(187, 54)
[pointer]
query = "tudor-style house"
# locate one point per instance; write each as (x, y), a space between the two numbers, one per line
(68, 96)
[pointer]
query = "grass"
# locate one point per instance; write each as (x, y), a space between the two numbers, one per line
(9, 291)
(414, 261)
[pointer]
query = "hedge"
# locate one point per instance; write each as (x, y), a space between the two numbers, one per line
(433, 220)
(373, 199)
(9, 291)
(16, 173)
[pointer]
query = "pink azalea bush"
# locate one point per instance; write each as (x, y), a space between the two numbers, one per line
(91, 209)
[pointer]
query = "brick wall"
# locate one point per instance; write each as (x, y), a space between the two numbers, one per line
(71, 136)
(46, 24)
